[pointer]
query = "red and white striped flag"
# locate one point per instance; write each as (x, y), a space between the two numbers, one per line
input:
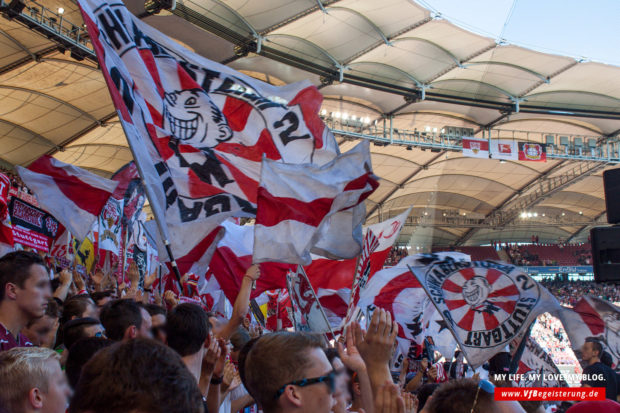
(71, 194)
(300, 206)
(593, 317)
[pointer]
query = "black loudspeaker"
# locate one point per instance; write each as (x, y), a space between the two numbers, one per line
(611, 182)
(606, 253)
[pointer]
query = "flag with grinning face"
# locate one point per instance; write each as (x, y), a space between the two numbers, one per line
(486, 304)
(199, 130)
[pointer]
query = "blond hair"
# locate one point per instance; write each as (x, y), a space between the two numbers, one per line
(22, 369)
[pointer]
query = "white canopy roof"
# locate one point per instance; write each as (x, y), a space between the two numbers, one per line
(395, 60)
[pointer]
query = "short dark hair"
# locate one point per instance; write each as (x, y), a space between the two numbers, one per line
(74, 330)
(274, 360)
(458, 396)
(596, 345)
(75, 307)
(239, 338)
(606, 359)
(15, 268)
(118, 315)
(138, 375)
(100, 295)
(187, 328)
(154, 309)
(424, 392)
(79, 354)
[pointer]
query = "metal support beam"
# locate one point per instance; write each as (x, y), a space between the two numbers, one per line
(595, 221)
(402, 183)
(505, 202)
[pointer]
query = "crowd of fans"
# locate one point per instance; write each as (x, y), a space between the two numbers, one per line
(569, 293)
(396, 254)
(549, 333)
(539, 255)
(86, 344)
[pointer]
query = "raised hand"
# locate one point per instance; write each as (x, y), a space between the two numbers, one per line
(134, 275)
(411, 402)
(221, 362)
(388, 399)
(150, 280)
(65, 277)
(351, 357)
(376, 345)
(97, 278)
(229, 375)
(253, 273)
(211, 356)
(79, 281)
(170, 298)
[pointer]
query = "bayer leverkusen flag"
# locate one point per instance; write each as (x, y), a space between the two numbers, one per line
(530, 151)
(486, 304)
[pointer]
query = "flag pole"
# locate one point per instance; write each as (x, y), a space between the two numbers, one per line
(303, 272)
(126, 241)
(514, 363)
(151, 197)
(448, 323)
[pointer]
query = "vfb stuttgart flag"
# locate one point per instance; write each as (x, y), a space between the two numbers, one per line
(485, 304)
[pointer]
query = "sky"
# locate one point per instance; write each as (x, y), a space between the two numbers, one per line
(577, 28)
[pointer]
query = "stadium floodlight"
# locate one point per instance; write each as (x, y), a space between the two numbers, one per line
(523, 215)
(324, 112)
(337, 115)
(61, 10)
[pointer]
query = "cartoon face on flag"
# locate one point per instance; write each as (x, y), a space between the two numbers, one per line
(199, 130)
(486, 304)
(194, 119)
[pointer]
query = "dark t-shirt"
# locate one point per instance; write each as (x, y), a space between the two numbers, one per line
(609, 379)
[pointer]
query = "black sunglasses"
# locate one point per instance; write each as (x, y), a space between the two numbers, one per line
(328, 379)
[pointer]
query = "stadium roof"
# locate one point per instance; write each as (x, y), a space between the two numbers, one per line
(389, 62)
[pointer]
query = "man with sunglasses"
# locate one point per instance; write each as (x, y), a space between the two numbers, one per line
(289, 372)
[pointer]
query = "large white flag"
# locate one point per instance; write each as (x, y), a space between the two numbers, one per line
(486, 304)
(198, 130)
(300, 206)
(73, 195)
